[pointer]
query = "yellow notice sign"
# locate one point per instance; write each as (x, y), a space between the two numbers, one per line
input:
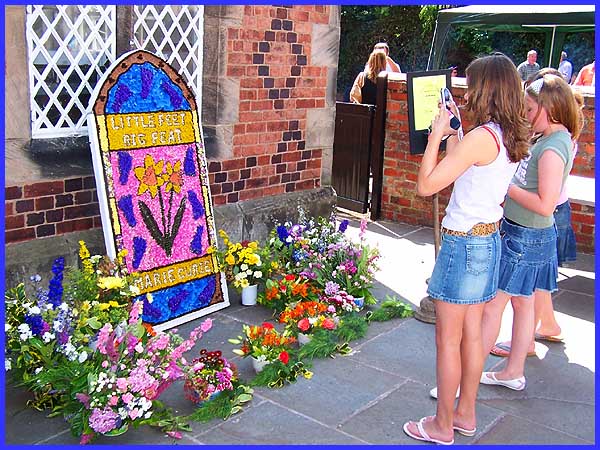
(164, 277)
(156, 129)
(426, 95)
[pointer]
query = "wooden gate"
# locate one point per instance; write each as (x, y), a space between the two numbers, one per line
(358, 152)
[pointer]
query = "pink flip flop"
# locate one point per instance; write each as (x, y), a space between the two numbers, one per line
(423, 436)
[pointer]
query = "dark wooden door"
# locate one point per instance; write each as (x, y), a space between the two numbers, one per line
(352, 155)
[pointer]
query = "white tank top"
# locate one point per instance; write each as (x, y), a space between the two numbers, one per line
(478, 193)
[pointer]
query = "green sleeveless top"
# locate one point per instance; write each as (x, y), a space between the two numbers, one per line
(526, 177)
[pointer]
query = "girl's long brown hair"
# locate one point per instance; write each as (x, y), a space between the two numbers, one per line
(377, 63)
(561, 103)
(495, 94)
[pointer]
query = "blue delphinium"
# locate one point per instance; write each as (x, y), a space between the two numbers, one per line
(283, 234)
(55, 288)
(343, 226)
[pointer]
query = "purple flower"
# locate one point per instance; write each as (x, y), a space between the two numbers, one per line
(103, 421)
(343, 226)
(331, 288)
(36, 323)
(55, 289)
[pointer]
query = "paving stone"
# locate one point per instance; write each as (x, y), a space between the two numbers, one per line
(524, 432)
(578, 283)
(274, 424)
(342, 379)
(407, 350)
(579, 422)
(574, 304)
(381, 423)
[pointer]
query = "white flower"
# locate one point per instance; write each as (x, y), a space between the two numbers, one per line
(139, 347)
(24, 331)
(134, 290)
(7, 327)
(63, 306)
(249, 272)
(38, 370)
(7, 364)
(244, 267)
(82, 356)
(257, 274)
(47, 337)
(34, 310)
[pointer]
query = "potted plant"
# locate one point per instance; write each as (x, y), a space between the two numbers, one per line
(208, 375)
(303, 318)
(289, 289)
(264, 344)
(242, 263)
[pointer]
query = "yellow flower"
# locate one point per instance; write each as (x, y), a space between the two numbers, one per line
(149, 176)
(229, 259)
(307, 374)
(84, 255)
(173, 177)
(210, 250)
(274, 264)
(111, 304)
(122, 254)
(110, 282)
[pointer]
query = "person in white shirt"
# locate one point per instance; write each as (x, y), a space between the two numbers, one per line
(565, 67)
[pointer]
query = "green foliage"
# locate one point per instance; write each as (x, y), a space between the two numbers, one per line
(223, 406)
(352, 326)
(323, 344)
(390, 308)
(276, 373)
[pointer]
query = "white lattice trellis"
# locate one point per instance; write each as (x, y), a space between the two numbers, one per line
(69, 48)
(175, 33)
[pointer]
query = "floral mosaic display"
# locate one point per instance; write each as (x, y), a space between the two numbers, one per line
(156, 185)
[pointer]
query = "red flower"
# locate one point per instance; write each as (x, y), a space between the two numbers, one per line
(284, 357)
(267, 325)
(304, 324)
(290, 277)
(328, 324)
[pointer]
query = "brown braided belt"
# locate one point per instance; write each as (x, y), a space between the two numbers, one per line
(481, 229)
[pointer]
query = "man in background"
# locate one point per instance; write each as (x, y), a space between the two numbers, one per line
(528, 67)
(565, 67)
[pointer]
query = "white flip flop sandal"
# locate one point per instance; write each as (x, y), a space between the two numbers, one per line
(518, 384)
(423, 436)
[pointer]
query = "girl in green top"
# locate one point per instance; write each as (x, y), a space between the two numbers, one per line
(528, 261)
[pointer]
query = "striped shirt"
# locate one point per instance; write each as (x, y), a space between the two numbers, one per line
(526, 70)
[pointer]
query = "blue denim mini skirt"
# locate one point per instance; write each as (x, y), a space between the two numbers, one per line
(466, 269)
(566, 246)
(528, 259)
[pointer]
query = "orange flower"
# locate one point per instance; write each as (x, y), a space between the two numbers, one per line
(149, 329)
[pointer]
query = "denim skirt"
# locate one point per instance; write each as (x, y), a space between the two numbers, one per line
(566, 247)
(528, 259)
(466, 269)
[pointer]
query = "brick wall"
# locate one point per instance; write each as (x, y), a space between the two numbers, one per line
(400, 202)
(270, 55)
(50, 208)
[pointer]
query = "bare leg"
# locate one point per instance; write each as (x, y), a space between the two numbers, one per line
(472, 366)
(491, 321)
(545, 321)
(522, 334)
(448, 335)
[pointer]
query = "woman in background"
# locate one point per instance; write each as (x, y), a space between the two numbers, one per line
(364, 89)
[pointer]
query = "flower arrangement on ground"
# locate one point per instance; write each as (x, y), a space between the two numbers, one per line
(264, 343)
(296, 245)
(289, 289)
(306, 317)
(242, 262)
(351, 266)
(208, 375)
(340, 299)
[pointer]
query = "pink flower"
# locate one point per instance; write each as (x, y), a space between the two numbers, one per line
(122, 384)
(206, 325)
(83, 398)
(105, 364)
(86, 438)
(328, 324)
(303, 324)
(127, 398)
(134, 413)
(175, 434)
(113, 400)
(103, 421)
